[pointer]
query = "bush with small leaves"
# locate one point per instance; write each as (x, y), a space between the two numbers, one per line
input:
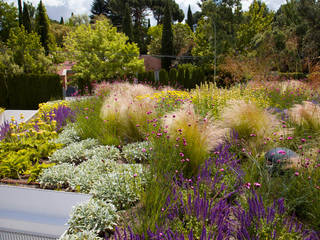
(122, 187)
(57, 176)
(96, 216)
(137, 152)
(68, 135)
(85, 235)
(88, 172)
(103, 153)
(73, 153)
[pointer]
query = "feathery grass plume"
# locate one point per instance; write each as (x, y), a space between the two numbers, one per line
(306, 114)
(127, 114)
(199, 136)
(249, 121)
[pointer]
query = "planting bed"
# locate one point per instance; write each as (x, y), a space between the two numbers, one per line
(207, 163)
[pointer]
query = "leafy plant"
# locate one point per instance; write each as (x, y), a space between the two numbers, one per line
(95, 215)
(137, 152)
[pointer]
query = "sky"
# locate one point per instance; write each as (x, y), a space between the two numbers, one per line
(64, 8)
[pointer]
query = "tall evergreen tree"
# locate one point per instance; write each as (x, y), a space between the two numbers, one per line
(190, 18)
(149, 23)
(167, 38)
(127, 23)
(26, 18)
(61, 20)
(42, 26)
(20, 12)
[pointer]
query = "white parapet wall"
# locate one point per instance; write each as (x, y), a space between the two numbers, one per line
(35, 213)
(7, 114)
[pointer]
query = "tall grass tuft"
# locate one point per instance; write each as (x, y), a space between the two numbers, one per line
(249, 121)
(128, 115)
(195, 135)
(307, 115)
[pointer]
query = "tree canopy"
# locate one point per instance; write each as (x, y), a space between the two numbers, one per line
(101, 52)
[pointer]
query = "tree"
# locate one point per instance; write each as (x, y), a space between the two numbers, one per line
(61, 20)
(257, 20)
(226, 15)
(127, 23)
(182, 39)
(102, 53)
(28, 52)
(158, 9)
(78, 19)
(20, 12)
(190, 18)
(26, 18)
(167, 39)
(8, 19)
(42, 26)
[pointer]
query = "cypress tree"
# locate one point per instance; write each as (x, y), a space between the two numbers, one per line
(167, 38)
(42, 25)
(61, 20)
(187, 80)
(26, 18)
(149, 23)
(180, 78)
(127, 23)
(173, 76)
(20, 12)
(190, 18)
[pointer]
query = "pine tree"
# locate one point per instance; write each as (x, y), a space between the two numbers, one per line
(26, 18)
(61, 20)
(190, 18)
(167, 38)
(127, 23)
(20, 12)
(42, 26)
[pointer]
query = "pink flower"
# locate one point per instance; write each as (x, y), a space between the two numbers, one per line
(143, 150)
(181, 154)
(247, 185)
(282, 152)
(257, 185)
(303, 140)
(86, 117)
(137, 125)
(173, 116)
(289, 138)
(296, 173)
(221, 170)
(135, 175)
(253, 135)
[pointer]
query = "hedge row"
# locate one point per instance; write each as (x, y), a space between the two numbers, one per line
(186, 78)
(26, 91)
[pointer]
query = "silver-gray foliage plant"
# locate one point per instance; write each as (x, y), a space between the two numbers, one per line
(95, 216)
(137, 152)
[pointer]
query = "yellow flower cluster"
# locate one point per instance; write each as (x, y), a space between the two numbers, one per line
(170, 96)
(45, 108)
(209, 98)
(36, 128)
(1, 110)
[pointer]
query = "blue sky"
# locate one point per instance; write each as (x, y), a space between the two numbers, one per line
(63, 8)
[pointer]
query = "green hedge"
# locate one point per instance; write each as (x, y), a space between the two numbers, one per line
(26, 91)
(293, 75)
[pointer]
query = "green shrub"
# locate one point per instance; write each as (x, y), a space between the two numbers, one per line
(68, 135)
(173, 76)
(180, 77)
(137, 152)
(122, 187)
(73, 153)
(95, 215)
(57, 176)
(163, 77)
(187, 79)
(26, 91)
(292, 75)
(85, 235)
